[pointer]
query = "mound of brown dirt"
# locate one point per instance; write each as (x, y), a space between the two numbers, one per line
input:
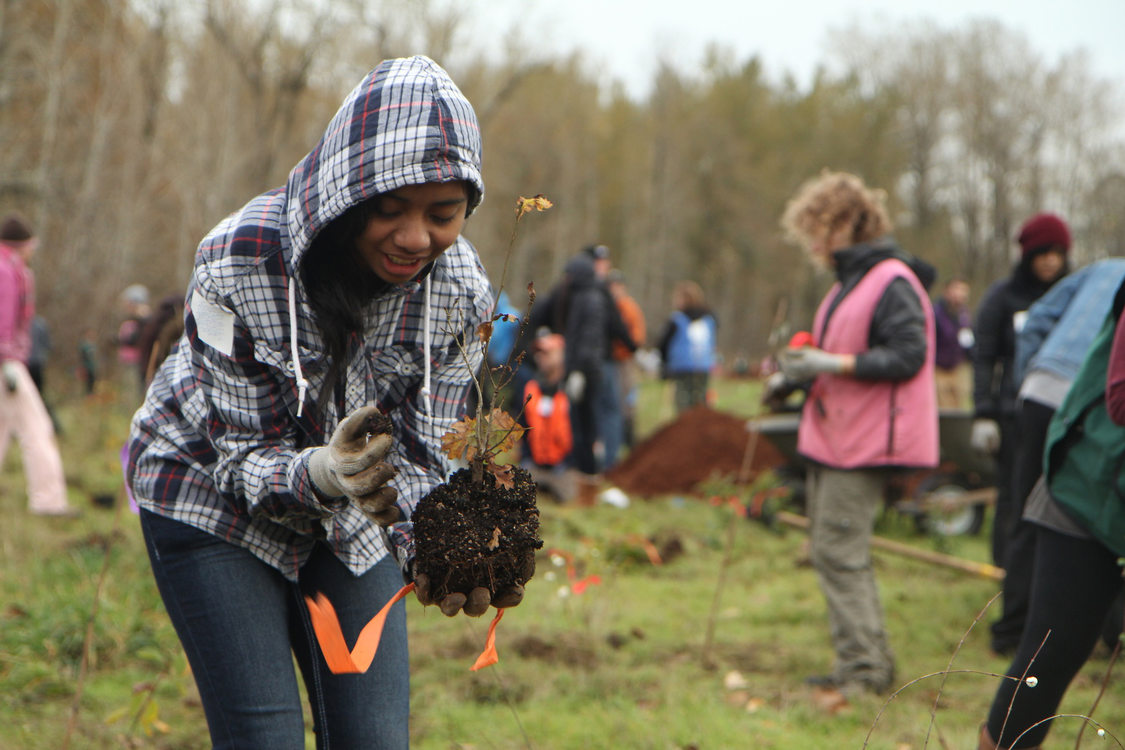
(699, 444)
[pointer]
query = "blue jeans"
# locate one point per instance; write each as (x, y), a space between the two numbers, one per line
(611, 414)
(242, 623)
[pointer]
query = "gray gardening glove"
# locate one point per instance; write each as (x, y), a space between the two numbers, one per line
(11, 375)
(806, 363)
(352, 465)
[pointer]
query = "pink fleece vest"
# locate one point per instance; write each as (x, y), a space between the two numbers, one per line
(849, 423)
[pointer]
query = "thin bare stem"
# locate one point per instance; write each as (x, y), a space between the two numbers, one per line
(494, 669)
(1085, 720)
(1101, 689)
(508, 256)
(742, 478)
(1015, 692)
(949, 665)
(915, 681)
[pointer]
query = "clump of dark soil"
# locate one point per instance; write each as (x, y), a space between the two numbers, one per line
(468, 535)
(699, 444)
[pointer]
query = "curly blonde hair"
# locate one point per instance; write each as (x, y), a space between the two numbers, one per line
(824, 204)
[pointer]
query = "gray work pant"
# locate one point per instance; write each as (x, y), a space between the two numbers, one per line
(842, 507)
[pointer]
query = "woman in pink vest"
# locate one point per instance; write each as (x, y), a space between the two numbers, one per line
(871, 407)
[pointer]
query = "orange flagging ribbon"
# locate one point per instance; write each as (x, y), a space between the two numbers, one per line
(341, 660)
(488, 657)
(576, 585)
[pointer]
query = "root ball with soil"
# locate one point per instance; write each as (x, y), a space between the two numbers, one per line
(477, 534)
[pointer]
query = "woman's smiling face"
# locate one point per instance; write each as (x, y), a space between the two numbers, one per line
(410, 227)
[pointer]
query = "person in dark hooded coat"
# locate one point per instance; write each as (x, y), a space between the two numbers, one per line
(583, 311)
(1044, 242)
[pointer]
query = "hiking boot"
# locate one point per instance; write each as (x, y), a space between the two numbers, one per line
(851, 684)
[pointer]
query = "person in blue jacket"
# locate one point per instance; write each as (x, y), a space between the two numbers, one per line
(687, 345)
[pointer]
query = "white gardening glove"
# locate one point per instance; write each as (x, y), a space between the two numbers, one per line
(575, 385)
(985, 437)
(11, 375)
(352, 465)
(807, 362)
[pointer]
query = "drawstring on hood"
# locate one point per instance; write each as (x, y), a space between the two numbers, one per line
(302, 383)
(406, 123)
(427, 334)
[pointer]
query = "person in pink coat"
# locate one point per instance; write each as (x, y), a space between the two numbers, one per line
(22, 412)
(871, 407)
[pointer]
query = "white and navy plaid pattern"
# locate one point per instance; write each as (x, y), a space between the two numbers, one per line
(217, 443)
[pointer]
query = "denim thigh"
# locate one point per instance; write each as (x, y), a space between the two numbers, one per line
(241, 623)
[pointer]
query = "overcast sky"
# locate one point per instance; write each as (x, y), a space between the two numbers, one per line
(627, 37)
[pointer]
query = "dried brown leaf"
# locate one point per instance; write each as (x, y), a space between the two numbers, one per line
(506, 431)
(504, 476)
(460, 442)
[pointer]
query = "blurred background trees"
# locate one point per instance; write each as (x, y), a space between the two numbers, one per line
(128, 129)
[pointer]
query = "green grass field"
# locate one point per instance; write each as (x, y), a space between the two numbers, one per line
(621, 665)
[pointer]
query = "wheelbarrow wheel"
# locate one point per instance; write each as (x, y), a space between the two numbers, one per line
(941, 510)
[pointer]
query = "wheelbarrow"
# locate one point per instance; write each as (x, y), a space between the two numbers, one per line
(948, 500)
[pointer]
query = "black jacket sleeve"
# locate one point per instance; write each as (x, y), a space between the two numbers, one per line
(988, 332)
(897, 338)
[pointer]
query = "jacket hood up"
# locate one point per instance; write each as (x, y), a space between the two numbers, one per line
(405, 123)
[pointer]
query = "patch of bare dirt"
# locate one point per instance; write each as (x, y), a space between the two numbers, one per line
(700, 444)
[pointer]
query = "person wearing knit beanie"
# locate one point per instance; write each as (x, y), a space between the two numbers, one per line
(1042, 232)
(1044, 241)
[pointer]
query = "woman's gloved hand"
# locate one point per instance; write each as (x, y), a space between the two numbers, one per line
(11, 375)
(575, 386)
(478, 600)
(352, 465)
(800, 365)
(776, 389)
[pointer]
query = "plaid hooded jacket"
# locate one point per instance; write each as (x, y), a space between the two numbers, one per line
(223, 438)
